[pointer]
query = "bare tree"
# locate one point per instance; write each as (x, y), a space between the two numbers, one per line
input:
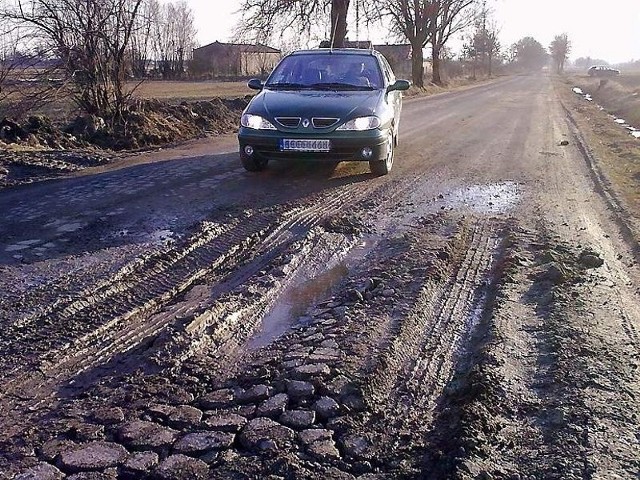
(185, 35)
(141, 39)
(270, 16)
(560, 48)
(91, 39)
(424, 22)
(174, 35)
(412, 19)
(29, 76)
(529, 55)
(450, 17)
(8, 54)
(483, 45)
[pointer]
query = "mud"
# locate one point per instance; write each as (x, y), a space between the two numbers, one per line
(472, 315)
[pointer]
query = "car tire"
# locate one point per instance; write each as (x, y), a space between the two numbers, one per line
(383, 167)
(252, 164)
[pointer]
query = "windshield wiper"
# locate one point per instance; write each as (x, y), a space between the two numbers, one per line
(340, 86)
(286, 85)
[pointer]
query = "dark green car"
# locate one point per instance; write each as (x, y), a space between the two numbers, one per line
(326, 104)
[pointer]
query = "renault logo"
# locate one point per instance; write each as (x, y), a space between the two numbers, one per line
(305, 122)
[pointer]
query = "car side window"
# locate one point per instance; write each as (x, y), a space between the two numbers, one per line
(388, 73)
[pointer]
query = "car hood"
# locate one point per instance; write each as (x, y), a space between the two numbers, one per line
(312, 103)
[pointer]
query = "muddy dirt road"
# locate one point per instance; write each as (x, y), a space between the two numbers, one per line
(474, 314)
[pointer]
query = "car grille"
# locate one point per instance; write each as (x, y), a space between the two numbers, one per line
(289, 122)
(319, 122)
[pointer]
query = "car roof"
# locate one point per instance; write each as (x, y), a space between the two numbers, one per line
(336, 51)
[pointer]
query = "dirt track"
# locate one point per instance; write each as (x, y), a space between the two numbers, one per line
(472, 315)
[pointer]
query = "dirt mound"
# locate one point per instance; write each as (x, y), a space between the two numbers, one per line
(152, 123)
(38, 149)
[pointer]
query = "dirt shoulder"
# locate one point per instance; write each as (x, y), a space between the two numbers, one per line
(613, 153)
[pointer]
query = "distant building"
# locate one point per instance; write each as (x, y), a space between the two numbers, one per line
(234, 59)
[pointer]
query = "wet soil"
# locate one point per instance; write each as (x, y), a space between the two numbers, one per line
(474, 314)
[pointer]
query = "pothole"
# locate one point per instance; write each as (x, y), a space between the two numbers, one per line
(485, 199)
(303, 292)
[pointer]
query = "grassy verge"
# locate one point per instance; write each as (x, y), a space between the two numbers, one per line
(189, 91)
(615, 150)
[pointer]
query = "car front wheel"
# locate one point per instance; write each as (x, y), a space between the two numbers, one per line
(382, 167)
(253, 164)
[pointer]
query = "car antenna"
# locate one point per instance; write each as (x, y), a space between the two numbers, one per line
(333, 35)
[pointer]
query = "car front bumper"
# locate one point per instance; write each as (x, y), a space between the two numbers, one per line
(345, 146)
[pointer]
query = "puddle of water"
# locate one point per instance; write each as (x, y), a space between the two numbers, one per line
(16, 248)
(494, 198)
(299, 297)
(294, 302)
(70, 227)
(160, 236)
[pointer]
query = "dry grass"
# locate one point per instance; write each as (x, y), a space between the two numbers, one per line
(174, 92)
(617, 152)
(619, 96)
(189, 91)
(62, 110)
(630, 80)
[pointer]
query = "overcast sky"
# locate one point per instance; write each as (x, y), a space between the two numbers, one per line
(609, 30)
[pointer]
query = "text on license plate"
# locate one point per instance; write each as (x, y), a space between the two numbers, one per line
(301, 145)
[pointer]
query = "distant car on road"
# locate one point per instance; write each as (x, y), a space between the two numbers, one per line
(602, 71)
(324, 104)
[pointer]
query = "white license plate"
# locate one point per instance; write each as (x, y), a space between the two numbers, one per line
(302, 145)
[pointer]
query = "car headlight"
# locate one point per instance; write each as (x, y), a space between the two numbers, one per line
(360, 124)
(256, 122)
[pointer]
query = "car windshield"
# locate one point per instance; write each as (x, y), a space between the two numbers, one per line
(327, 72)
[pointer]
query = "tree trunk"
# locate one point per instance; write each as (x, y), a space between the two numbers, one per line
(435, 59)
(339, 9)
(417, 65)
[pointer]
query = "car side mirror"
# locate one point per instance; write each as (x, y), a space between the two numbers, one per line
(399, 85)
(255, 84)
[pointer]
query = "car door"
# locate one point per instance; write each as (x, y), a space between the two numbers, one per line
(394, 99)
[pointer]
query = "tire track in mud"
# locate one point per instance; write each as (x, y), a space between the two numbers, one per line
(219, 325)
(138, 292)
(549, 380)
(616, 209)
(117, 316)
(424, 346)
(455, 311)
(137, 288)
